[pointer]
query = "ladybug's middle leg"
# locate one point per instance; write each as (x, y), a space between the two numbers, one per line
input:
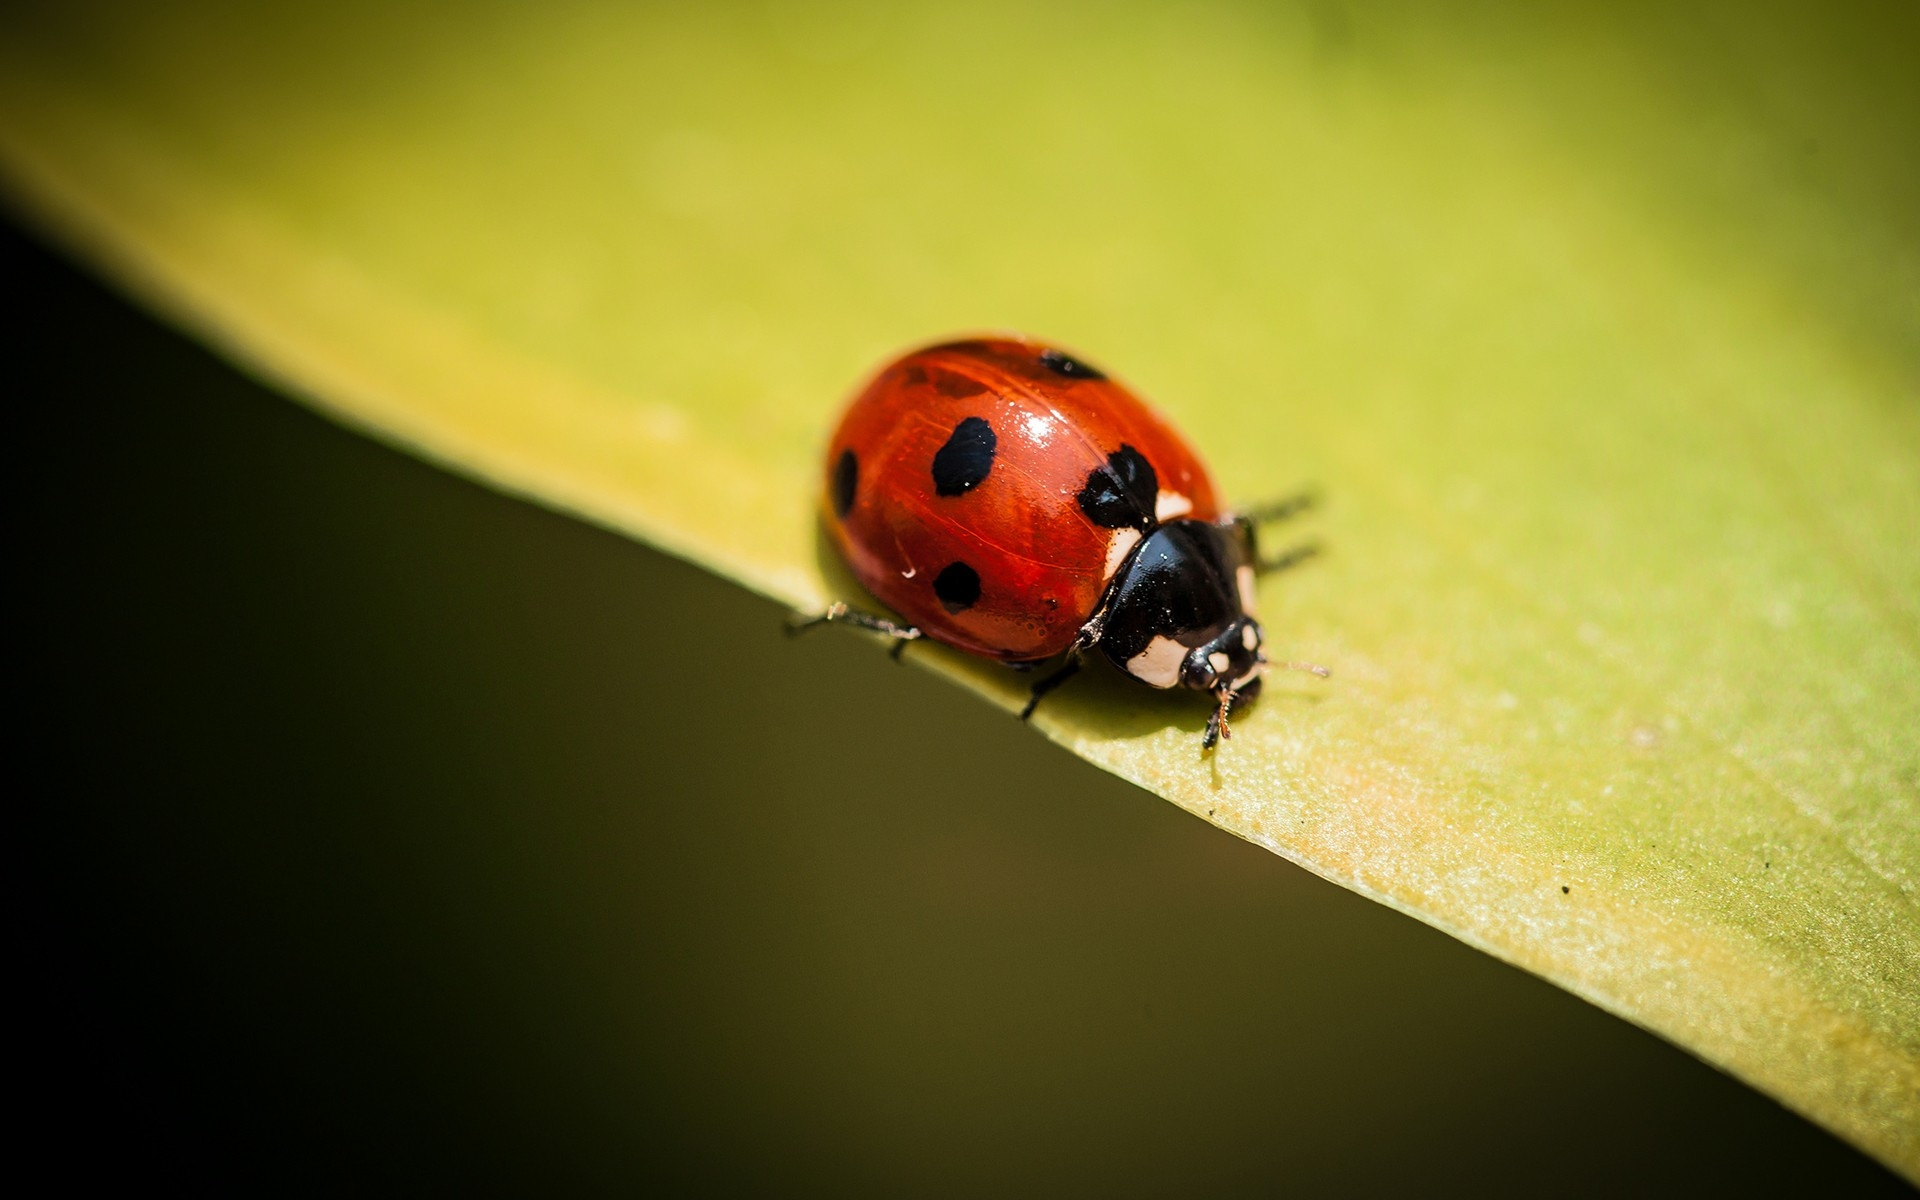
(1040, 689)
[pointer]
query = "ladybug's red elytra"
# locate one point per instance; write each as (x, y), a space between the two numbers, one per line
(1011, 501)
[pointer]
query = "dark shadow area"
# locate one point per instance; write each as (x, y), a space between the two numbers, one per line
(382, 829)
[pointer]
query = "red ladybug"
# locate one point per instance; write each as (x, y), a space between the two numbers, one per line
(1013, 502)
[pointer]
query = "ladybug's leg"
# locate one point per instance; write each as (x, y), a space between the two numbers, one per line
(1216, 721)
(1245, 528)
(1244, 531)
(1288, 558)
(1228, 700)
(901, 634)
(1280, 510)
(1046, 685)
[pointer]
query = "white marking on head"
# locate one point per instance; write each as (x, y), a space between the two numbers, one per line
(1250, 637)
(1244, 577)
(1159, 663)
(1121, 545)
(1169, 505)
(1219, 661)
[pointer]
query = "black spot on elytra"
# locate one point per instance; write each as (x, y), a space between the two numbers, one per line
(1122, 492)
(1068, 365)
(846, 478)
(964, 461)
(958, 586)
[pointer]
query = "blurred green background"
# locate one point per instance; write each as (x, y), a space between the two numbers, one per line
(383, 827)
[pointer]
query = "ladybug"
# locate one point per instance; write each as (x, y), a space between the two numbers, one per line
(1011, 501)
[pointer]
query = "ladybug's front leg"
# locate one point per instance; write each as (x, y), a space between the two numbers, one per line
(901, 634)
(1228, 700)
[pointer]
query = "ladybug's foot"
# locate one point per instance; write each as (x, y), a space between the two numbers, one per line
(1228, 699)
(1046, 685)
(902, 634)
(1217, 727)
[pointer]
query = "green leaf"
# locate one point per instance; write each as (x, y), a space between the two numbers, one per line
(1599, 327)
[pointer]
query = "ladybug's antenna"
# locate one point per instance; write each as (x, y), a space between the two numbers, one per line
(1264, 664)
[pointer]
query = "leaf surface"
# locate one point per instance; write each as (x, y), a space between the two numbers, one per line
(1599, 326)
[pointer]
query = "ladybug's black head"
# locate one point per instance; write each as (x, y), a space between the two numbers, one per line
(1176, 615)
(1229, 660)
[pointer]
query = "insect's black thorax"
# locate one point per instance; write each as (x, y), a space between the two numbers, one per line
(1175, 617)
